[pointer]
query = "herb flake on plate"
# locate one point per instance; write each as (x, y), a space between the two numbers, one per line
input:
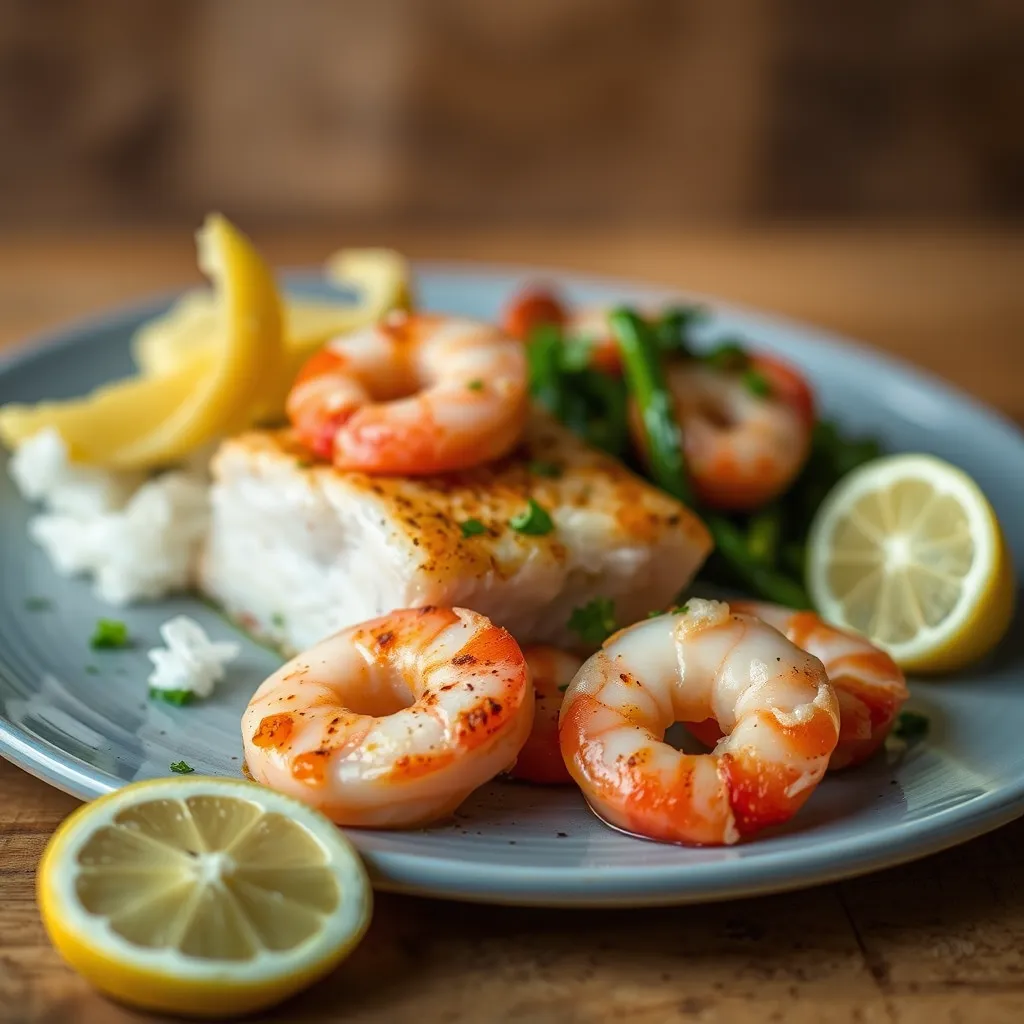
(109, 634)
(911, 726)
(179, 698)
(594, 621)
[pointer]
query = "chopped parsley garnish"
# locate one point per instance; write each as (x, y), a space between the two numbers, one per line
(38, 604)
(533, 520)
(577, 353)
(726, 355)
(594, 621)
(756, 383)
(676, 609)
(181, 768)
(109, 634)
(549, 469)
(764, 535)
(472, 527)
(910, 726)
(91, 670)
(591, 403)
(179, 698)
(277, 620)
(475, 385)
(305, 463)
(672, 329)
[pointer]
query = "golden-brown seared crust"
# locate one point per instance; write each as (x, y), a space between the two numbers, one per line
(429, 511)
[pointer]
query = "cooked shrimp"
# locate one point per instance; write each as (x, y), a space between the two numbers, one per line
(869, 685)
(772, 700)
(540, 760)
(536, 306)
(393, 723)
(531, 308)
(413, 395)
(742, 448)
(590, 325)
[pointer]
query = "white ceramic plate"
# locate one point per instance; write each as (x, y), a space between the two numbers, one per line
(80, 719)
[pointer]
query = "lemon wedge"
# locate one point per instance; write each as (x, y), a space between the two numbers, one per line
(379, 276)
(141, 423)
(908, 551)
(161, 345)
(201, 896)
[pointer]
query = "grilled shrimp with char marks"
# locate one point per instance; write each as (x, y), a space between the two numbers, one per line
(392, 723)
(414, 395)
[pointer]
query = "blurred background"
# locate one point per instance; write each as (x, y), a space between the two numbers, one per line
(455, 112)
(856, 165)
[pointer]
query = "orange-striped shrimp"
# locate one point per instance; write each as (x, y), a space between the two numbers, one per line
(540, 760)
(869, 685)
(393, 723)
(413, 395)
(530, 308)
(743, 447)
(772, 700)
(746, 435)
(534, 307)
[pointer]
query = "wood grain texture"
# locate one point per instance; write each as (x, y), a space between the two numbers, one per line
(936, 942)
(454, 110)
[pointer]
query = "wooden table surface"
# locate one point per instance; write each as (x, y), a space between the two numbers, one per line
(938, 941)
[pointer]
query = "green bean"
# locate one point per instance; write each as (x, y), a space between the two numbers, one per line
(645, 379)
(765, 582)
(672, 329)
(544, 362)
(590, 403)
(794, 558)
(593, 405)
(727, 354)
(764, 533)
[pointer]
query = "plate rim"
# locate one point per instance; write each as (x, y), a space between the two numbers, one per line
(64, 334)
(660, 885)
(432, 875)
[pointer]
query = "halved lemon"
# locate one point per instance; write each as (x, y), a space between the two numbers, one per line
(201, 896)
(908, 551)
(143, 423)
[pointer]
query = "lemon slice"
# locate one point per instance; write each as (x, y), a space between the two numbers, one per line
(380, 277)
(141, 423)
(907, 551)
(203, 896)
